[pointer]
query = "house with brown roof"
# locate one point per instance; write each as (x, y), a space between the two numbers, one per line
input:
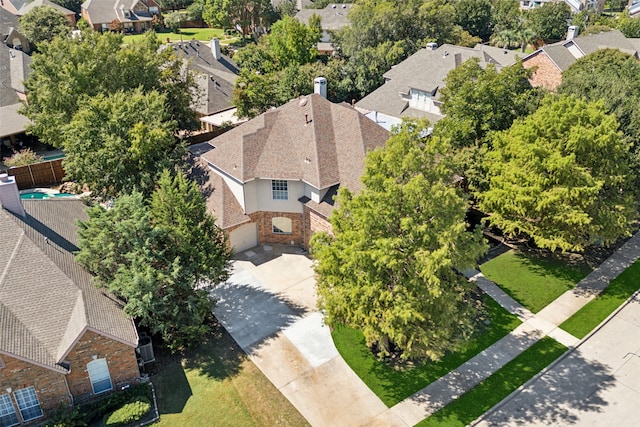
(272, 179)
(61, 338)
(551, 60)
(136, 16)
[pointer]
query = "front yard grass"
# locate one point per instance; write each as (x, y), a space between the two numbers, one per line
(491, 391)
(393, 385)
(592, 314)
(532, 281)
(201, 34)
(216, 384)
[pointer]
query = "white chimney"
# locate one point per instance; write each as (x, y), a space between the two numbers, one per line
(215, 49)
(320, 86)
(10, 196)
(432, 46)
(572, 32)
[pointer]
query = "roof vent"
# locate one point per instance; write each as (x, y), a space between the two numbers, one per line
(333, 6)
(303, 101)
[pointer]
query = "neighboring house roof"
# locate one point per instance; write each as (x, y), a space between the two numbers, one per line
(426, 70)
(565, 53)
(309, 139)
(14, 68)
(8, 20)
(105, 11)
(27, 7)
(216, 78)
(332, 17)
(13, 6)
(47, 300)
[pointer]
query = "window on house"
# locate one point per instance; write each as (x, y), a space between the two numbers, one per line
(28, 403)
(279, 189)
(99, 376)
(281, 225)
(153, 10)
(8, 415)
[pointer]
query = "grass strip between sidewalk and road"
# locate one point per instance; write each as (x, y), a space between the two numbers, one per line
(598, 309)
(533, 281)
(498, 386)
(393, 385)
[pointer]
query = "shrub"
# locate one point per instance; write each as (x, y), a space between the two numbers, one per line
(129, 413)
(22, 158)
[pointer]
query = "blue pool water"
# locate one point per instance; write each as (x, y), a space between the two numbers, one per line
(36, 195)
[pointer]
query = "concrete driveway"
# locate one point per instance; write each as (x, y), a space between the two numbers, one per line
(598, 384)
(268, 306)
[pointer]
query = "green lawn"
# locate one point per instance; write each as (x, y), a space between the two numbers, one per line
(533, 282)
(216, 383)
(491, 391)
(393, 385)
(202, 34)
(618, 291)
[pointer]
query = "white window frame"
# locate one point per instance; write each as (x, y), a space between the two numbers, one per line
(281, 225)
(27, 400)
(279, 189)
(7, 409)
(98, 371)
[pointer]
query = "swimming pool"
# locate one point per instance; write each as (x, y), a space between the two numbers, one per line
(40, 195)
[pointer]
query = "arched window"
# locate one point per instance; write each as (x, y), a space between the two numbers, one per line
(99, 376)
(281, 225)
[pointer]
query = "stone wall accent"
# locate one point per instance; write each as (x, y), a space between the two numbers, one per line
(121, 359)
(546, 75)
(265, 230)
(49, 385)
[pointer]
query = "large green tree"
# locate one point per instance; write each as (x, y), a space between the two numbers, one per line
(389, 269)
(479, 100)
(43, 24)
(609, 75)
(549, 21)
(292, 42)
(244, 14)
(561, 177)
(475, 16)
(120, 143)
(67, 71)
(161, 258)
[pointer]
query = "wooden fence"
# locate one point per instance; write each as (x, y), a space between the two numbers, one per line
(43, 174)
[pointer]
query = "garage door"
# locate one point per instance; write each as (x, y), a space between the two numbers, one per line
(244, 237)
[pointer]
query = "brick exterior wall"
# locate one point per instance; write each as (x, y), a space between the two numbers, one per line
(265, 228)
(546, 75)
(121, 360)
(313, 223)
(49, 385)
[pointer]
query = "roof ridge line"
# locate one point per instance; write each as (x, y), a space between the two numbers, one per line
(14, 253)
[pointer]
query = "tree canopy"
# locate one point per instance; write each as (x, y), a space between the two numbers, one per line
(120, 143)
(247, 15)
(475, 16)
(67, 71)
(389, 267)
(43, 24)
(292, 42)
(561, 177)
(161, 258)
(550, 21)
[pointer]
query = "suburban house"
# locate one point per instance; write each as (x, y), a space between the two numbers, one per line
(576, 5)
(551, 60)
(272, 179)
(62, 340)
(215, 75)
(15, 66)
(136, 16)
(332, 18)
(412, 88)
(634, 8)
(29, 6)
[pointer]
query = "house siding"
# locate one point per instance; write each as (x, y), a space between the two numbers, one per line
(121, 359)
(546, 74)
(49, 385)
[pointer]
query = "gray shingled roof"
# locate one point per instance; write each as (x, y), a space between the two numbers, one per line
(216, 78)
(7, 20)
(426, 70)
(14, 68)
(105, 11)
(46, 299)
(332, 17)
(308, 139)
(27, 7)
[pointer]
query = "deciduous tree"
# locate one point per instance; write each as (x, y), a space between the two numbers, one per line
(475, 16)
(43, 24)
(561, 177)
(550, 21)
(389, 269)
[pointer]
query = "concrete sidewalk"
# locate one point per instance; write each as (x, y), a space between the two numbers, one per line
(535, 326)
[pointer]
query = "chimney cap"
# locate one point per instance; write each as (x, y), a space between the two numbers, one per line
(4, 177)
